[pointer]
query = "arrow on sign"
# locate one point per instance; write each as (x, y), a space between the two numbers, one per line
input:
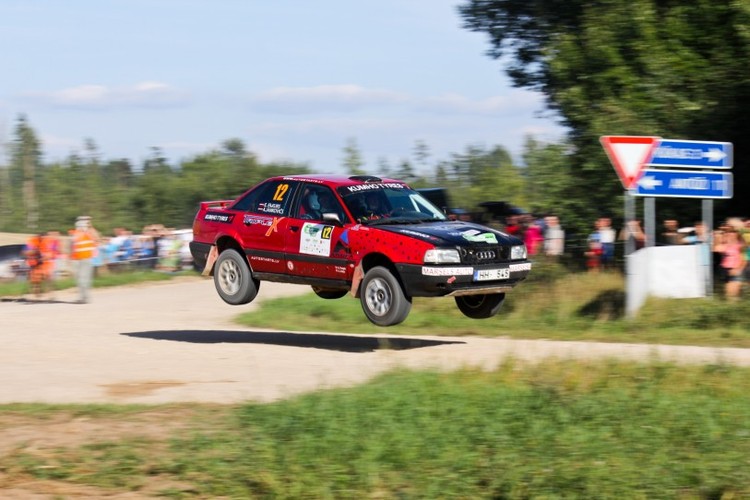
(695, 154)
(629, 154)
(714, 154)
(649, 182)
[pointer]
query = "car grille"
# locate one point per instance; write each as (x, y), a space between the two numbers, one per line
(484, 254)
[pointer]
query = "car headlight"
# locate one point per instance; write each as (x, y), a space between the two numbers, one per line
(518, 252)
(442, 256)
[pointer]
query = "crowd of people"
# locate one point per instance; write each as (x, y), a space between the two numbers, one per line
(729, 243)
(85, 252)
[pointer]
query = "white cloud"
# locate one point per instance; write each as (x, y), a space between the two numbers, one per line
(515, 101)
(101, 97)
(297, 100)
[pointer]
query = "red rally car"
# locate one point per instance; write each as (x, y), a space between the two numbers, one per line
(376, 238)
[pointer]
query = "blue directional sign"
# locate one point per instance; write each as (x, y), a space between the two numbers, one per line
(684, 184)
(696, 154)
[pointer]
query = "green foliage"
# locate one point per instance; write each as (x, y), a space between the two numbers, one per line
(553, 430)
(115, 193)
(623, 67)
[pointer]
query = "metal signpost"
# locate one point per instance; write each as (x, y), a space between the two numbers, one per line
(666, 176)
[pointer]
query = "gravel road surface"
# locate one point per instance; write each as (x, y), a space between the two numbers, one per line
(175, 342)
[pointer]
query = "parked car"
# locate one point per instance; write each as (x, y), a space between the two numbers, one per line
(378, 239)
(12, 262)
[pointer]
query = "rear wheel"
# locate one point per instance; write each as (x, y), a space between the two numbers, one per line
(233, 279)
(480, 306)
(328, 293)
(383, 300)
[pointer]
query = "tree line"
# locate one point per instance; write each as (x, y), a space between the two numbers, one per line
(39, 196)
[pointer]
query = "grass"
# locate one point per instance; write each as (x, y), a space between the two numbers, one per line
(552, 304)
(558, 430)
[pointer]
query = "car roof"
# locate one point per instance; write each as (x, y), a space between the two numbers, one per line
(336, 180)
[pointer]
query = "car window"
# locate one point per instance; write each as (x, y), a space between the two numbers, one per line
(316, 200)
(272, 198)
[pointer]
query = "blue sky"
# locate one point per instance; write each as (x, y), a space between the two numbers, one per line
(293, 79)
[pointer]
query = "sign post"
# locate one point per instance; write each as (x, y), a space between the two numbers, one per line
(646, 167)
(629, 154)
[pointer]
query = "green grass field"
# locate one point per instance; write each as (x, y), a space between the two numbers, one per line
(558, 429)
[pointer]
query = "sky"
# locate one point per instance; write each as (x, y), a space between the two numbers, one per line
(295, 80)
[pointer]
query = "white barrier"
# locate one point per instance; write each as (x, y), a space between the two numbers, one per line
(675, 271)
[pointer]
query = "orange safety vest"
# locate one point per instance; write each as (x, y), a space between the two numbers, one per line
(34, 252)
(84, 245)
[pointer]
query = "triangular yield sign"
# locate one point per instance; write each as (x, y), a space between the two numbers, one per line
(629, 154)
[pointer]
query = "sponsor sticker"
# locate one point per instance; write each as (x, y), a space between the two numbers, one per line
(477, 236)
(316, 239)
(447, 271)
(373, 187)
(218, 217)
(520, 267)
(249, 220)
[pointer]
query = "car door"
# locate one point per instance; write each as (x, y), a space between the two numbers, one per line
(265, 220)
(316, 247)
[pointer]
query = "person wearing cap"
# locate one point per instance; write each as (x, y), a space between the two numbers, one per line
(82, 252)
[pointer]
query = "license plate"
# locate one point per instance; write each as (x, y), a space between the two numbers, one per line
(491, 274)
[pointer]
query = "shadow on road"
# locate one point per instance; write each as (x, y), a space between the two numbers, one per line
(318, 341)
(31, 301)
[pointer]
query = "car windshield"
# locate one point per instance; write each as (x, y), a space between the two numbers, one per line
(381, 204)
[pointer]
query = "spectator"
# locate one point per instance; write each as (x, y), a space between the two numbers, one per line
(83, 251)
(593, 251)
(729, 244)
(670, 235)
(633, 236)
(554, 237)
(533, 237)
(33, 252)
(607, 237)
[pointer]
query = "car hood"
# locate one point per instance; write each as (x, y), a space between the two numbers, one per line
(453, 233)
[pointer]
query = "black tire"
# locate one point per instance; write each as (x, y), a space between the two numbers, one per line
(480, 306)
(383, 300)
(233, 279)
(328, 293)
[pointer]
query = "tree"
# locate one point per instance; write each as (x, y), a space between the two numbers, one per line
(673, 68)
(353, 157)
(481, 175)
(25, 170)
(421, 155)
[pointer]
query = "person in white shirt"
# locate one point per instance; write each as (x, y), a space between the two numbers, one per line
(554, 237)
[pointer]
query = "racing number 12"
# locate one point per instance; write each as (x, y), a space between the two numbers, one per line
(281, 190)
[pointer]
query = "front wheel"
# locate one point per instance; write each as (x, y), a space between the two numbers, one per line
(383, 300)
(480, 306)
(233, 279)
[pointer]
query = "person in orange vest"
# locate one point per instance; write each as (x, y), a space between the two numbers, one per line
(35, 263)
(50, 249)
(82, 252)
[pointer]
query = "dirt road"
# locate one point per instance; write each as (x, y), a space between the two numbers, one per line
(175, 342)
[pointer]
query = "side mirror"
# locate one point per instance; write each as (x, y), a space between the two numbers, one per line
(333, 218)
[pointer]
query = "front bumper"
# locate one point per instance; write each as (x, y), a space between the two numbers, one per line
(457, 279)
